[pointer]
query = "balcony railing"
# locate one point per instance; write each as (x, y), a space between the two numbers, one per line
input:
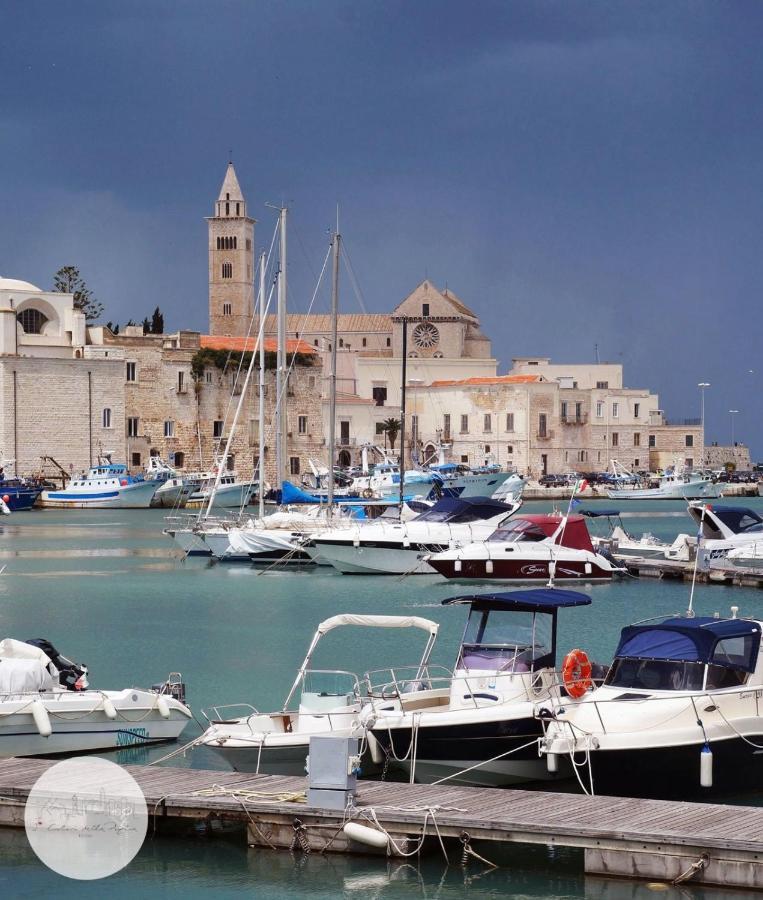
(575, 420)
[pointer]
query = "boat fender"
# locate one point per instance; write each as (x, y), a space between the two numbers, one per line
(41, 718)
(374, 748)
(552, 762)
(365, 835)
(163, 706)
(457, 565)
(123, 482)
(109, 708)
(706, 767)
(489, 566)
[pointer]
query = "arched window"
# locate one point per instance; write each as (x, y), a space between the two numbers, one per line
(179, 459)
(227, 209)
(238, 207)
(32, 320)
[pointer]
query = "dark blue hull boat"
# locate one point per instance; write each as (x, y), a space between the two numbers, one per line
(19, 495)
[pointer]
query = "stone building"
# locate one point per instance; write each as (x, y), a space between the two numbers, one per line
(59, 397)
(736, 457)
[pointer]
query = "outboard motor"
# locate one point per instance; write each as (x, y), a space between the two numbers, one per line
(71, 675)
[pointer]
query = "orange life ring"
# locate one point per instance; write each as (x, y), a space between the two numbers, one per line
(576, 673)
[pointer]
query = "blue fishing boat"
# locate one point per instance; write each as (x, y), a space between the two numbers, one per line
(106, 486)
(19, 493)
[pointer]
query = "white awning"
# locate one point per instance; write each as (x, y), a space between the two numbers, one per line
(379, 622)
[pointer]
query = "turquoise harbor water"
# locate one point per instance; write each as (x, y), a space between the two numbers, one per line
(104, 587)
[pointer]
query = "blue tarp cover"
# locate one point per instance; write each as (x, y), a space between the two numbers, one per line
(689, 640)
(540, 599)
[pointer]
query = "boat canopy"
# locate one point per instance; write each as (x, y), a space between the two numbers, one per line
(537, 600)
(600, 513)
(737, 519)
(379, 622)
(732, 643)
(464, 509)
(535, 527)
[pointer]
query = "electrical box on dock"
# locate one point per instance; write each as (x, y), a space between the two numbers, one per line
(332, 766)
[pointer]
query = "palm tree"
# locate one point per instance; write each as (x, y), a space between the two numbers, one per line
(391, 427)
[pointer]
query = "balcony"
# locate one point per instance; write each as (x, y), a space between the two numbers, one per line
(575, 420)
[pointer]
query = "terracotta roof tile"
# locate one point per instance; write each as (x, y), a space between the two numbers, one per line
(220, 342)
(486, 379)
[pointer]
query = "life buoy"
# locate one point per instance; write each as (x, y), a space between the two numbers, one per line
(367, 493)
(576, 673)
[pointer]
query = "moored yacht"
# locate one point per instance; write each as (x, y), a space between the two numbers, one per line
(479, 728)
(530, 547)
(674, 484)
(679, 710)
(395, 548)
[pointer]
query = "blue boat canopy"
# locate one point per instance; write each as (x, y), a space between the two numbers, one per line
(732, 643)
(597, 513)
(537, 600)
(464, 509)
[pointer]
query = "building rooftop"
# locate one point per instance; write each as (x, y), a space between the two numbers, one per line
(297, 323)
(487, 379)
(242, 344)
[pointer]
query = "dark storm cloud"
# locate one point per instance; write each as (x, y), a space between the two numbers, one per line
(582, 173)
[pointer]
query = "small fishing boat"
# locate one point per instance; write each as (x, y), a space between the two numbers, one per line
(170, 492)
(528, 548)
(679, 711)
(106, 486)
(674, 484)
(17, 493)
(47, 707)
(329, 702)
(229, 491)
(479, 727)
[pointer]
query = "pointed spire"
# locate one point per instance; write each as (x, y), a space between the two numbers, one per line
(231, 193)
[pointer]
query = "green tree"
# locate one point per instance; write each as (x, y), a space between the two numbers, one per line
(68, 280)
(391, 427)
(113, 327)
(146, 326)
(157, 322)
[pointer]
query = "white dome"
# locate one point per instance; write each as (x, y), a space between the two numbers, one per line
(13, 284)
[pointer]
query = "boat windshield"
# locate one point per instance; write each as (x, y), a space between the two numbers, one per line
(328, 689)
(448, 510)
(517, 530)
(672, 675)
(507, 640)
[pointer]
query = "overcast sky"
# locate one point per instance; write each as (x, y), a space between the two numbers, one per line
(580, 173)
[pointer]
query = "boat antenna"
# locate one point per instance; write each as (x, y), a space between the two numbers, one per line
(690, 610)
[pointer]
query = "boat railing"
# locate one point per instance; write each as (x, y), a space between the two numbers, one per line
(215, 715)
(394, 683)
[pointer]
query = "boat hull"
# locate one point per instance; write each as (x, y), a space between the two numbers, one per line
(19, 499)
(385, 558)
(705, 490)
(129, 496)
(518, 570)
(229, 496)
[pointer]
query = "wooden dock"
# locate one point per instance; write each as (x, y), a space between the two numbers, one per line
(648, 567)
(622, 837)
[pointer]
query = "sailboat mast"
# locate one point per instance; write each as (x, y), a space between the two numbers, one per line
(332, 377)
(261, 342)
(402, 412)
(282, 386)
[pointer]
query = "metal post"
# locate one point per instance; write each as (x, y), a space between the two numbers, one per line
(261, 344)
(402, 412)
(281, 389)
(332, 377)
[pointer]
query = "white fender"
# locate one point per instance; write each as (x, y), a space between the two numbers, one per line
(163, 706)
(552, 763)
(374, 748)
(109, 708)
(365, 835)
(41, 718)
(706, 767)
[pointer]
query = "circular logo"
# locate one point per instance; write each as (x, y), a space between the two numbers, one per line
(86, 818)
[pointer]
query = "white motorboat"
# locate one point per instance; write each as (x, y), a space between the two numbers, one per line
(723, 529)
(170, 492)
(229, 492)
(46, 707)
(537, 547)
(679, 710)
(479, 727)
(673, 485)
(620, 543)
(394, 548)
(106, 486)
(459, 480)
(329, 703)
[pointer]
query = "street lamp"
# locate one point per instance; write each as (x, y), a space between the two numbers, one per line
(732, 413)
(702, 385)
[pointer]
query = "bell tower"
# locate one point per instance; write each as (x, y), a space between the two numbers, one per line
(231, 261)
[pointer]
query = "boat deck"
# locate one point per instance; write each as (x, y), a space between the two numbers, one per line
(653, 839)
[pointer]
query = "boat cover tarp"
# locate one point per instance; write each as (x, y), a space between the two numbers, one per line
(452, 509)
(539, 599)
(19, 676)
(599, 513)
(694, 640)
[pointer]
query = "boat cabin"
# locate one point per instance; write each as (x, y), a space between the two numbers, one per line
(682, 654)
(462, 510)
(509, 638)
(723, 522)
(536, 528)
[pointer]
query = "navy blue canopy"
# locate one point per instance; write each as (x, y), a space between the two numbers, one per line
(451, 509)
(596, 513)
(538, 600)
(727, 642)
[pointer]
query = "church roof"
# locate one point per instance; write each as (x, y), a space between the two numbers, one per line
(240, 344)
(424, 291)
(488, 379)
(347, 323)
(230, 186)
(458, 303)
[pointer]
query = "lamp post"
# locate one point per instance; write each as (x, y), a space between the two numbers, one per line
(702, 385)
(732, 413)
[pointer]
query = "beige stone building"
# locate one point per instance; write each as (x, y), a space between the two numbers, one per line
(59, 397)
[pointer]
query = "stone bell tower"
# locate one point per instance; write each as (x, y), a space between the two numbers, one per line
(231, 261)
